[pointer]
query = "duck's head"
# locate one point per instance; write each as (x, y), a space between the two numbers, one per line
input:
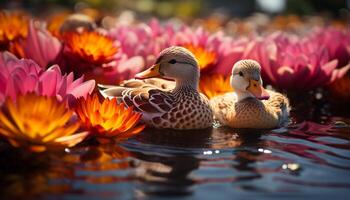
(175, 63)
(246, 80)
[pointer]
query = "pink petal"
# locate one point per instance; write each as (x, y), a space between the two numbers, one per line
(83, 89)
(47, 83)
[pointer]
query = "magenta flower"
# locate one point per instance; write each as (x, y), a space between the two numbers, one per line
(24, 75)
(145, 41)
(40, 45)
(337, 41)
(216, 53)
(294, 63)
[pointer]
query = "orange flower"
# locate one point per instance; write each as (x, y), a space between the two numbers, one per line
(16, 48)
(205, 58)
(214, 85)
(13, 25)
(38, 123)
(108, 119)
(55, 22)
(91, 47)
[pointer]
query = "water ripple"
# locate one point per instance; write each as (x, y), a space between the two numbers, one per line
(302, 158)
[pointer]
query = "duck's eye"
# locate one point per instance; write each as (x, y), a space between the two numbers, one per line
(172, 61)
(240, 73)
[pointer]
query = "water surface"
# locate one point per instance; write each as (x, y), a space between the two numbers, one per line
(307, 159)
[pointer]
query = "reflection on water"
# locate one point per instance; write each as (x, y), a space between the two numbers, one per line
(304, 159)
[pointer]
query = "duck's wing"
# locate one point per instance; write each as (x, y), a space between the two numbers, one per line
(248, 113)
(149, 99)
(224, 106)
(111, 91)
(160, 83)
(277, 100)
(279, 104)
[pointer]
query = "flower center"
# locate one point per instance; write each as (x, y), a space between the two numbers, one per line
(12, 26)
(205, 57)
(214, 85)
(91, 47)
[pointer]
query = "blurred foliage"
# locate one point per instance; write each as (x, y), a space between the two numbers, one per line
(181, 8)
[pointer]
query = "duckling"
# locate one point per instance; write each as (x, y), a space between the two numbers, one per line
(250, 105)
(173, 104)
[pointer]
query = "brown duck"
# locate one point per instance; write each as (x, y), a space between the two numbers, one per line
(173, 104)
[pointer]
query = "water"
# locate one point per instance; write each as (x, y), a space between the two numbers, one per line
(307, 159)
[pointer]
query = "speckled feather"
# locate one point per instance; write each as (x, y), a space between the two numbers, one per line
(163, 106)
(251, 112)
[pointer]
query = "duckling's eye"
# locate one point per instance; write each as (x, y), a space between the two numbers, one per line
(172, 61)
(240, 73)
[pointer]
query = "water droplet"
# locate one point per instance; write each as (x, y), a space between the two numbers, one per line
(318, 95)
(264, 150)
(293, 167)
(340, 124)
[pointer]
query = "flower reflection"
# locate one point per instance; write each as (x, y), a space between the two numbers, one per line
(106, 157)
(26, 175)
(102, 158)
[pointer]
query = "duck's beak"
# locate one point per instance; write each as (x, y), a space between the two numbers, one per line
(152, 72)
(256, 89)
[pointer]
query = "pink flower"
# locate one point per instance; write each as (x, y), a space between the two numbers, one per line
(294, 63)
(40, 45)
(216, 53)
(337, 41)
(122, 68)
(145, 40)
(24, 75)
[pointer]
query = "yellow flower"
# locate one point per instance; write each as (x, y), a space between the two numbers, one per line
(38, 123)
(13, 25)
(108, 119)
(205, 58)
(91, 47)
(214, 85)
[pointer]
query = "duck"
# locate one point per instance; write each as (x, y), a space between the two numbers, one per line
(166, 93)
(250, 105)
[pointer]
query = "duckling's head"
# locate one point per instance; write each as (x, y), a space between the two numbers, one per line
(246, 80)
(176, 63)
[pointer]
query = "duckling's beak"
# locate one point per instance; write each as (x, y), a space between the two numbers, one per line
(152, 72)
(256, 89)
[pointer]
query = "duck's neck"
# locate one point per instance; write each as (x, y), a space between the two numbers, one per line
(191, 84)
(242, 95)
